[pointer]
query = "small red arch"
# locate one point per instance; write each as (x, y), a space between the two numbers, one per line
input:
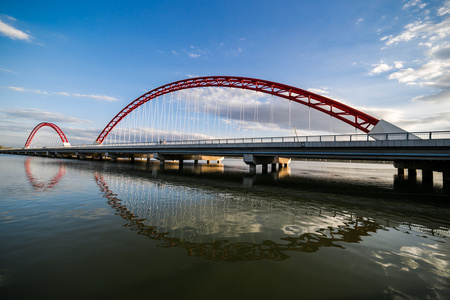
(345, 113)
(58, 130)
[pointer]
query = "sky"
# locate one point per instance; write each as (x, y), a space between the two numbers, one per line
(78, 63)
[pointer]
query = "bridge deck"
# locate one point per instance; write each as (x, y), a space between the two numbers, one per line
(426, 151)
(387, 150)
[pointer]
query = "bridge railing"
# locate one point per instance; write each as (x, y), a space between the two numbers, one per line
(402, 136)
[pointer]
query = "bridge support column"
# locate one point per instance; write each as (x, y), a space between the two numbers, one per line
(80, 156)
(112, 156)
(274, 167)
(427, 168)
(264, 168)
(180, 164)
(182, 157)
(412, 174)
(427, 176)
(446, 181)
(400, 172)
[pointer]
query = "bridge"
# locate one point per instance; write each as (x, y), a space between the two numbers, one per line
(209, 118)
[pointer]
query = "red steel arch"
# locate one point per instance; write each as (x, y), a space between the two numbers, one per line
(345, 113)
(58, 130)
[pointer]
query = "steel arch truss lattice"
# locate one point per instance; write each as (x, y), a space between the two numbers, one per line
(58, 130)
(345, 113)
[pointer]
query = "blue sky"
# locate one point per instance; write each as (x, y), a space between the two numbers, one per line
(77, 64)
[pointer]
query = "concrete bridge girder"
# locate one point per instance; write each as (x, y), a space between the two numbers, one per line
(251, 159)
(425, 165)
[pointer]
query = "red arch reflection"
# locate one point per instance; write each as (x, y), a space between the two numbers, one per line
(45, 185)
(222, 250)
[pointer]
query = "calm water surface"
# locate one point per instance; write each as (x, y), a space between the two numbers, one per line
(73, 229)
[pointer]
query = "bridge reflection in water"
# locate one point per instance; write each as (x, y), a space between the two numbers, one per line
(224, 225)
(47, 177)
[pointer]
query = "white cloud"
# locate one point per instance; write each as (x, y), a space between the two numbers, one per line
(359, 21)
(413, 3)
(15, 88)
(445, 9)
(248, 110)
(420, 29)
(194, 55)
(40, 115)
(13, 33)
(96, 97)
(379, 68)
(433, 70)
(426, 75)
(320, 91)
(398, 64)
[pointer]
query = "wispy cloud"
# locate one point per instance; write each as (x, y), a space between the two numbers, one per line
(195, 52)
(433, 70)
(445, 9)
(11, 32)
(40, 115)
(7, 71)
(320, 91)
(96, 97)
(414, 3)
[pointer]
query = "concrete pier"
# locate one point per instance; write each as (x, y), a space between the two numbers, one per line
(264, 168)
(253, 161)
(427, 176)
(427, 167)
(182, 157)
(412, 174)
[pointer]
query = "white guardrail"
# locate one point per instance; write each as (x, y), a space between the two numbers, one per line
(403, 136)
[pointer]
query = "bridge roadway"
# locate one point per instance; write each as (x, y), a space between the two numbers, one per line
(424, 151)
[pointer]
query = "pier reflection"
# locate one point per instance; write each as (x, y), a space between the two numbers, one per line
(43, 178)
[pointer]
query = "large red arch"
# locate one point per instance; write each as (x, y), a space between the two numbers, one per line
(345, 113)
(58, 130)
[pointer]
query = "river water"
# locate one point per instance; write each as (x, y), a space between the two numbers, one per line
(72, 229)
